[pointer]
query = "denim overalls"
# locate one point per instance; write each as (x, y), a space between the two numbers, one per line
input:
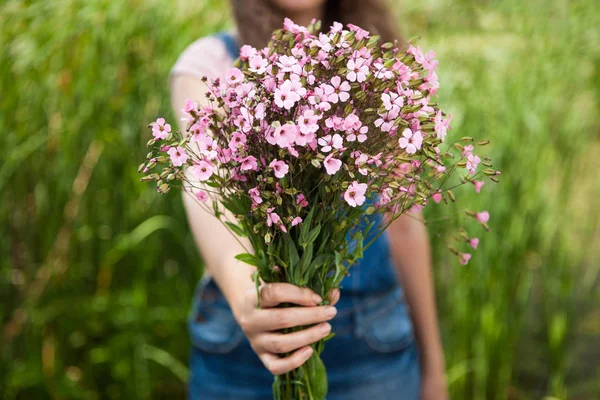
(372, 356)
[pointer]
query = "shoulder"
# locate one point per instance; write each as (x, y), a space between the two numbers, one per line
(206, 56)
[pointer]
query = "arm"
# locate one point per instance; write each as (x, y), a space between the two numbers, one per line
(219, 247)
(412, 257)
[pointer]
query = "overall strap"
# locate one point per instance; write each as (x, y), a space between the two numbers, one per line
(230, 43)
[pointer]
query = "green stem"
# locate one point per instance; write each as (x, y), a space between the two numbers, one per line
(310, 396)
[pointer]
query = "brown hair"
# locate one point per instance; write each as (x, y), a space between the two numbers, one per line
(257, 19)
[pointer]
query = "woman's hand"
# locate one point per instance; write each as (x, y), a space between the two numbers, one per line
(260, 325)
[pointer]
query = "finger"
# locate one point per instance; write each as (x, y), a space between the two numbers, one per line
(278, 365)
(280, 343)
(334, 296)
(273, 294)
(273, 319)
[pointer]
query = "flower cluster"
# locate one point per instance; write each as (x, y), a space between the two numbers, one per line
(335, 121)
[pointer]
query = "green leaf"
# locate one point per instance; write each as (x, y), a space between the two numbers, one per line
(248, 259)
(306, 225)
(317, 377)
(311, 237)
(293, 256)
(238, 230)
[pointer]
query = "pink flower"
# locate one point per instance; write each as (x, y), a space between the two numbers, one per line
(258, 64)
(234, 76)
(249, 164)
(360, 32)
(160, 129)
(478, 185)
(272, 218)
(201, 195)
(208, 147)
(357, 71)
(288, 64)
(290, 26)
(332, 165)
(392, 99)
(482, 217)
(411, 141)
(247, 51)
(285, 96)
(283, 136)
(203, 170)
(474, 243)
(437, 197)
(329, 142)
(340, 90)
(355, 194)
(464, 258)
(301, 200)
(255, 195)
(386, 121)
(178, 156)
(237, 140)
(472, 163)
(467, 150)
(280, 168)
(296, 221)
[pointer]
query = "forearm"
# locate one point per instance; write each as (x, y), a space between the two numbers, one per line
(412, 256)
(219, 248)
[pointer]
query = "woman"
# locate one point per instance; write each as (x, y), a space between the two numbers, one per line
(236, 347)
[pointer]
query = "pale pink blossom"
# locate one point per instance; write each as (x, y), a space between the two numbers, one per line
(355, 194)
(437, 197)
(464, 258)
(332, 165)
(272, 218)
(339, 90)
(234, 76)
(385, 122)
(290, 26)
(482, 217)
(280, 168)
(357, 71)
(258, 64)
(247, 51)
(296, 221)
(255, 195)
(478, 185)
(301, 200)
(283, 136)
(208, 147)
(472, 163)
(249, 164)
(160, 129)
(201, 195)
(285, 96)
(329, 142)
(203, 170)
(474, 242)
(360, 32)
(411, 141)
(392, 99)
(237, 140)
(178, 156)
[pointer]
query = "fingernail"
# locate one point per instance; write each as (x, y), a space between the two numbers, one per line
(325, 328)
(330, 311)
(317, 298)
(308, 352)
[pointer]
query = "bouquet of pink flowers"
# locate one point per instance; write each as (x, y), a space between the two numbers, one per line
(303, 143)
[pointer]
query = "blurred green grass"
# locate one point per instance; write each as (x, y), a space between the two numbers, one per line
(97, 271)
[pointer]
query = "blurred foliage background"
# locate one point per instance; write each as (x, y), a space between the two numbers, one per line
(97, 270)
